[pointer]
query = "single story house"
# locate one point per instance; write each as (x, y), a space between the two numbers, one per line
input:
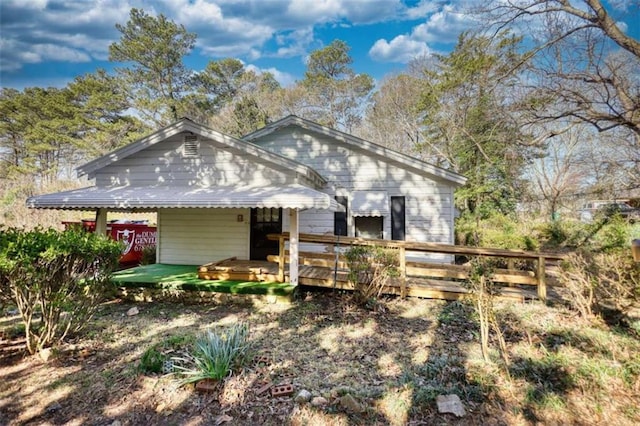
(217, 196)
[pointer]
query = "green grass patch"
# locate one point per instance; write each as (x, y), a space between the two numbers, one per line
(185, 277)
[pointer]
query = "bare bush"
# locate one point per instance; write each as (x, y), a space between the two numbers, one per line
(14, 211)
(594, 281)
(482, 291)
(370, 269)
(579, 279)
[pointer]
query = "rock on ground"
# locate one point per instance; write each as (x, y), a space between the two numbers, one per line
(303, 396)
(450, 404)
(349, 403)
(319, 401)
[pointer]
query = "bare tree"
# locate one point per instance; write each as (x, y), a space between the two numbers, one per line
(561, 174)
(564, 18)
(583, 66)
(393, 119)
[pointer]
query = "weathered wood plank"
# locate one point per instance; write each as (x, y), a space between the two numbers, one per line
(420, 269)
(206, 266)
(281, 259)
(435, 289)
(500, 276)
(424, 247)
(310, 261)
(542, 280)
(403, 273)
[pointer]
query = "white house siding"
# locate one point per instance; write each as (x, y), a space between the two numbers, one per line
(162, 164)
(428, 202)
(198, 236)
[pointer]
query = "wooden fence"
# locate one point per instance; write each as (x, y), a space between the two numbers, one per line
(434, 274)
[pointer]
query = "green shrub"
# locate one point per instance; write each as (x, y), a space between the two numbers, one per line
(215, 354)
(148, 255)
(614, 235)
(56, 279)
(370, 269)
(156, 358)
(497, 231)
(152, 361)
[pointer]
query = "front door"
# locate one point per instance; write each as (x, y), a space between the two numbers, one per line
(264, 221)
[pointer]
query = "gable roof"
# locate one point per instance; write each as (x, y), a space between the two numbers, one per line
(359, 144)
(186, 125)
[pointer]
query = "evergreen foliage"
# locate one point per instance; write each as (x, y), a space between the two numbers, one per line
(216, 354)
(156, 78)
(470, 125)
(56, 279)
(335, 92)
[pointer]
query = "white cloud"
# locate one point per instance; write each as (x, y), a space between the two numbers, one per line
(295, 43)
(219, 34)
(53, 52)
(284, 78)
(83, 29)
(623, 26)
(30, 4)
(58, 30)
(238, 28)
(422, 9)
(401, 49)
(443, 26)
(16, 53)
(314, 12)
(323, 9)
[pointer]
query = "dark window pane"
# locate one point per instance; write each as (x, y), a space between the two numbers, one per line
(340, 218)
(369, 227)
(398, 218)
(264, 221)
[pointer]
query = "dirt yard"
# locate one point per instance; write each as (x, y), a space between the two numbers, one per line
(360, 367)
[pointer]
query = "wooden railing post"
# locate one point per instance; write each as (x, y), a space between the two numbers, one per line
(403, 272)
(281, 258)
(440, 272)
(542, 279)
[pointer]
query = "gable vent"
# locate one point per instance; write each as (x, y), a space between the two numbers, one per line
(190, 147)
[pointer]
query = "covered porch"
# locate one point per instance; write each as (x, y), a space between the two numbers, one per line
(227, 211)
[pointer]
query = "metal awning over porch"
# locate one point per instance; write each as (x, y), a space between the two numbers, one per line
(292, 196)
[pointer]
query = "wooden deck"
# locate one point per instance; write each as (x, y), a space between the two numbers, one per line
(328, 268)
(326, 277)
(235, 269)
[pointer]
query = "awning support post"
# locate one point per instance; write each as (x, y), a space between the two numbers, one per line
(281, 258)
(101, 222)
(293, 246)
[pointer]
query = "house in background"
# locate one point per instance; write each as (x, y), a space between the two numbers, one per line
(217, 196)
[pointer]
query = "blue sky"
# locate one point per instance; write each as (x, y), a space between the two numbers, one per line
(49, 42)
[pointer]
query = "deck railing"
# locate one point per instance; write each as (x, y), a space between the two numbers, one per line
(509, 276)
